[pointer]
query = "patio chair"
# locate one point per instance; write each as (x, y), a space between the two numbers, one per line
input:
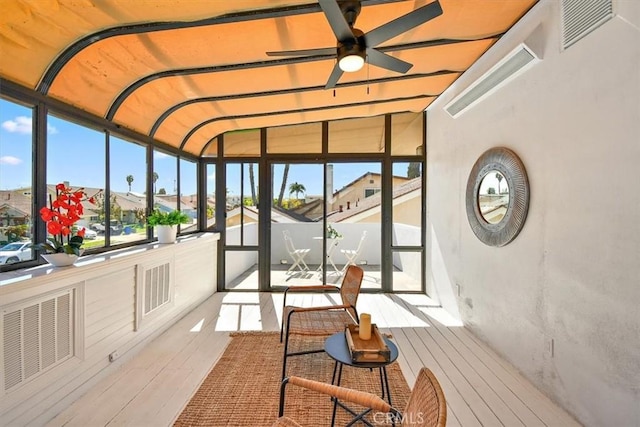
(297, 255)
(324, 320)
(353, 254)
(426, 406)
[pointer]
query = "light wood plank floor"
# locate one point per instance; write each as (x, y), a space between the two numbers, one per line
(151, 388)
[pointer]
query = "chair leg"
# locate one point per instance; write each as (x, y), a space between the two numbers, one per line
(298, 260)
(284, 358)
(294, 265)
(286, 353)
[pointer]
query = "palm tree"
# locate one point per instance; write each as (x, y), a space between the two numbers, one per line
(499, 178)
(285, 176)
(155, 178)
(296, 188)
(129, 181)
(252, 181)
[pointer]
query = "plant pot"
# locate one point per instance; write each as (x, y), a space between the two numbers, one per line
(60, 259)
(166, 233)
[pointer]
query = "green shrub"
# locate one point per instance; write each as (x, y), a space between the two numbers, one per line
(167, 218)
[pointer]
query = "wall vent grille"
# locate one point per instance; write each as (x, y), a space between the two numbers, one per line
(580, 17)
(515, 63)
(36, 336)
(157, 285)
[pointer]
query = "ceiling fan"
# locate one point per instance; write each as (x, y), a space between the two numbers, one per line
(354, 46)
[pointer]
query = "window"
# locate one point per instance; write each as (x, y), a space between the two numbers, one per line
(363, 135)
(165, 181)
(189, 194)
(16, 166)
(211, 196)
(76, 157)
(128, 176)
(295, 139)
(370, 191)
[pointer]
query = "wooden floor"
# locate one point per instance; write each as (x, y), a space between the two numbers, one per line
(151, 388)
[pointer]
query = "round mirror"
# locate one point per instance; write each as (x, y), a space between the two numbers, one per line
(493, 197)
(497, 196)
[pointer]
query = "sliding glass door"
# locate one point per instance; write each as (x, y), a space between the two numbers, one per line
(241, 226)
(297, 209)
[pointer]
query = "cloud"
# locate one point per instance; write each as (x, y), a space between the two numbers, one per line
(10, 160)
(22, 125)
(160, 155)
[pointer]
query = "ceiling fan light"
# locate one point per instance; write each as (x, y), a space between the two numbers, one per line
(351, 63)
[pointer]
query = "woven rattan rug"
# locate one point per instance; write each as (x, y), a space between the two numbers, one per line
(243, 388)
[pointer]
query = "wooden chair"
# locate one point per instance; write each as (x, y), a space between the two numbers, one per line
(426, 406)
(320, 321)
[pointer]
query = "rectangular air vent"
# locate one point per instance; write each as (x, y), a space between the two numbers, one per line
(157, 287)
(36, 336)
(580, 17)
(515, 63)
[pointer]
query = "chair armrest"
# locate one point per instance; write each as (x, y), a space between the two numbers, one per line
(307, 288)
(319, 308)
(368, 400)
(304, 288)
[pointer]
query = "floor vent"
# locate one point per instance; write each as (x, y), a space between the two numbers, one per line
(36, 337)
(157, 286)
(580, 17)
(515, 63)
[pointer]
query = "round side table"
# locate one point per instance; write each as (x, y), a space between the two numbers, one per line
(337, 348)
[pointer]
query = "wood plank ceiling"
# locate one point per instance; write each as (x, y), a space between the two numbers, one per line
(185, 71)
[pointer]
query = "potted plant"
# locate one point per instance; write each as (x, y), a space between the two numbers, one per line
(166, 224)
(62, 248)
(332, 233)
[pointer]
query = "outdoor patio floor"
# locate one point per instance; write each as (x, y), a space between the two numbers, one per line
(402, 282)
(152, 387)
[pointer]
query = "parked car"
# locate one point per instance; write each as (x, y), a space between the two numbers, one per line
(115, 225)
(89, 234)
(14, 252)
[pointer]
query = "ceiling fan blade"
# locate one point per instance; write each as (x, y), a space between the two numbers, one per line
(380, 59)
(334, 77)
(404, 23)
(336, 19)
(304, 52)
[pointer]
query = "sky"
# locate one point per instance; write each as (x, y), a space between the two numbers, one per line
(76, 154)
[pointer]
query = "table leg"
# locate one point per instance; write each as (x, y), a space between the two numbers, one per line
(386, 384)
(335, 399)
(386, 393)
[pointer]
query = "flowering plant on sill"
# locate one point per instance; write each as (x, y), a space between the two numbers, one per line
(60, 217)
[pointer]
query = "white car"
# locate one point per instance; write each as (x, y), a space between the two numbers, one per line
(14, 252)
(89, 234)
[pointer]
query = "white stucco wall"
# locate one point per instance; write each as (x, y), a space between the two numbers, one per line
(573, 273)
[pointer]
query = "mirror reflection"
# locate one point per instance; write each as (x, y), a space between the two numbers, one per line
(493, 197)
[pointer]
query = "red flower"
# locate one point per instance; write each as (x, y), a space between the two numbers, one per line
(64, 211)
(54, 227)
(47, 214)
(65, 220)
